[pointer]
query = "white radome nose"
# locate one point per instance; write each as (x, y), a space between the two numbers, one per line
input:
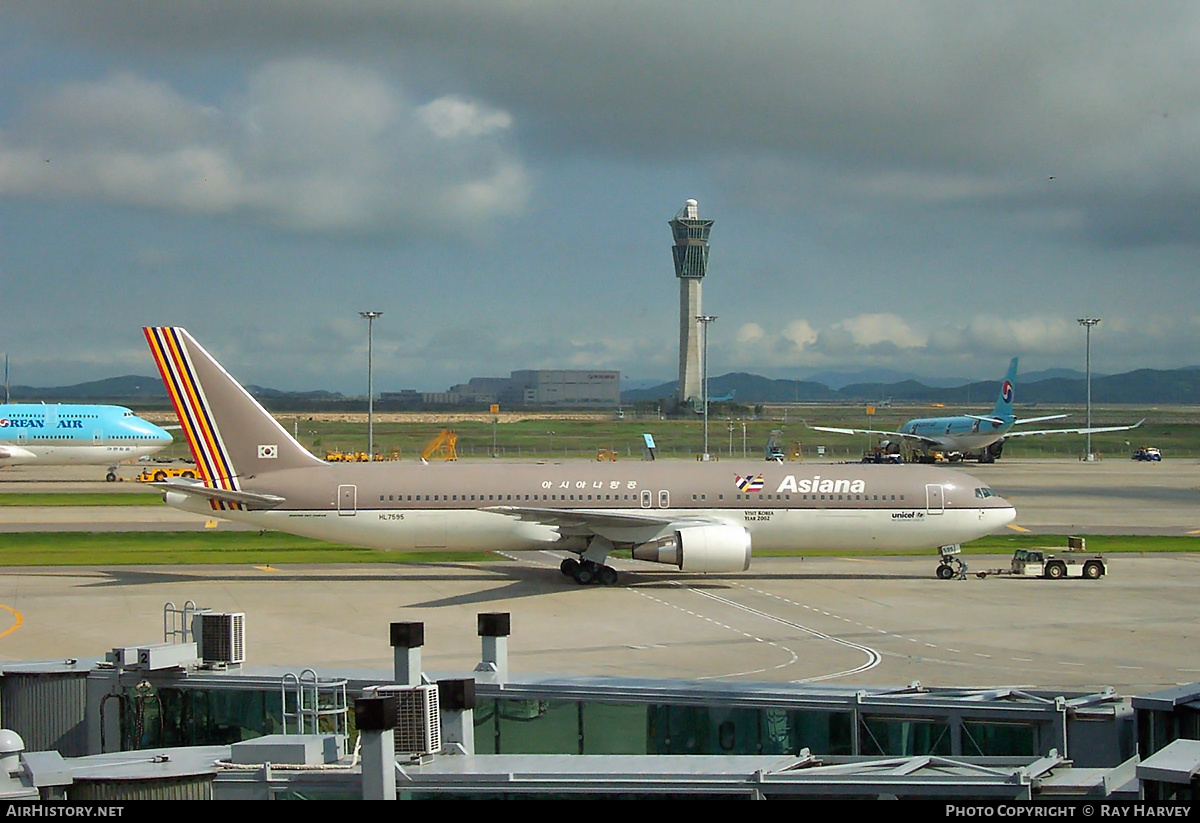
(1000, 517)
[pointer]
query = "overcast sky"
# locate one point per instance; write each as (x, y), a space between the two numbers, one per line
(933, 187)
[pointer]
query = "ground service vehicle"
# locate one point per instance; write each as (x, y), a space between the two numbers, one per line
(1147, 453)
(878, 455)
(774, 450)
(1074, 562)
(157, 474)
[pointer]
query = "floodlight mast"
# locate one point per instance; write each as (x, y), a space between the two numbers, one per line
(1087, 323)
(370, 316)
(704, 320)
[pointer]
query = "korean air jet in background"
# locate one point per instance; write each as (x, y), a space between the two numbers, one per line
(55, 434)
(973, 435)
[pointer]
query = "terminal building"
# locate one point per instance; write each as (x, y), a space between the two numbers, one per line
(527, 388)
(188, 718)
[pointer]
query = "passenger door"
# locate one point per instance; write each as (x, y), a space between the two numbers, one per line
(935, 500)
(347, 500)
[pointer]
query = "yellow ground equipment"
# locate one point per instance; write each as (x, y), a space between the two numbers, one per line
(442, 446)
(603, 454)
(157, 474)
(347, 457)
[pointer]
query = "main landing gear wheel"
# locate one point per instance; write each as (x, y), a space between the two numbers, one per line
(586, 572)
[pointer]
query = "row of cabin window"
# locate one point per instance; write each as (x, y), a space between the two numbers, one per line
(22, 416)
(504, 498)
(867, 497)
(105, 436)
(499, 498)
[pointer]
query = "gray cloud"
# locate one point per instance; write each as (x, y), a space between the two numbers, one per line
(924, 185)
(307, 145)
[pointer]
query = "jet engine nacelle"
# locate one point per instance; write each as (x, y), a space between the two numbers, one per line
(701, 549)
(16, 454)
(889, 446)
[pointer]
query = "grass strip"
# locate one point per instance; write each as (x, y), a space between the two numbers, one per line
(197, 548)
(81, 499)
(1007, 544)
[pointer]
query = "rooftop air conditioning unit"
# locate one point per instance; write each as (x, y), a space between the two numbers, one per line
(418, 727)
(220, 636)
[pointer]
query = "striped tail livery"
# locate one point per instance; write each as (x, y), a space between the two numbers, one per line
(231, 436)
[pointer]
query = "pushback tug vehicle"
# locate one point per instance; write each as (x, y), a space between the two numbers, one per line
(1044, 563)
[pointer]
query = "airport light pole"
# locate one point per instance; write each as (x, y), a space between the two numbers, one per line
(704, 320)
(1087, 323)
(370, 316)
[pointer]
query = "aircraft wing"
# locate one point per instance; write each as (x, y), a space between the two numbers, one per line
(625, 526)
(1040, 419)
(915, 438)
(998, 422)
(1084, 430)
(250, 500)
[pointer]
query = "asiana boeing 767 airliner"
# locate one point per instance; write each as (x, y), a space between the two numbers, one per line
(698, 517)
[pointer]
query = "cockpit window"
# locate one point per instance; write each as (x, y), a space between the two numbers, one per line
(984, 492)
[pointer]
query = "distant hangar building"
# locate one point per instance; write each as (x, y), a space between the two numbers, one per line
(543, 388)
(566, 387)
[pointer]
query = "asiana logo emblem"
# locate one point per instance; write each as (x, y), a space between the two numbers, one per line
(749, 484)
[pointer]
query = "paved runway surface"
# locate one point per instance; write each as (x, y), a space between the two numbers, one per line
(875, 620)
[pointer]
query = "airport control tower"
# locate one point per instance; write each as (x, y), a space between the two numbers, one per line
(691, 261)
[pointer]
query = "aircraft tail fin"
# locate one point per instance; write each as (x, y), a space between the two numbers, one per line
(1003, 409)
(230, 434)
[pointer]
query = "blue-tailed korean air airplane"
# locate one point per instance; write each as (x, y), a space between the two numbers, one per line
(971, 435)
(54, 434)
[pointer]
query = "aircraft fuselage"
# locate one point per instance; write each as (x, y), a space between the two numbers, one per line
(459, 507)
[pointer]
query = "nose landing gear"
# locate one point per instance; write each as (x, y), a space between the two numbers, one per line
(951, 565)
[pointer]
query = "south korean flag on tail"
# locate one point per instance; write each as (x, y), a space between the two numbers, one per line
(268, 452)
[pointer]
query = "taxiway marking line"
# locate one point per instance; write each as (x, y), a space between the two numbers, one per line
(18, 620)
(873, 657)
